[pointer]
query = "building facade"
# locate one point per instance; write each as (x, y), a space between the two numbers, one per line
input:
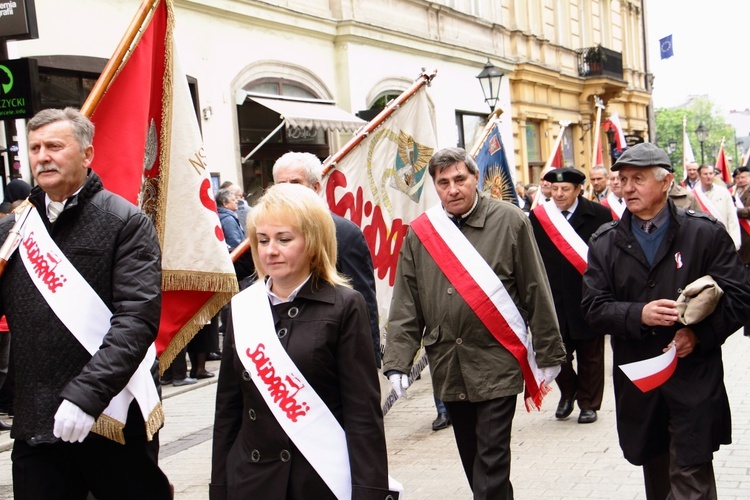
(251, 62)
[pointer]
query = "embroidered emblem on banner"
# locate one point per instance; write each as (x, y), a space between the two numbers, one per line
(494, 145)
(410, 165)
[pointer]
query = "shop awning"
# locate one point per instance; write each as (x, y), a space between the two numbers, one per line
(311, 114)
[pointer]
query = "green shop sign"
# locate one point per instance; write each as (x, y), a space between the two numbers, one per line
(19, 89)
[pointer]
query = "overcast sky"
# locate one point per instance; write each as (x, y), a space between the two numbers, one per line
(711, 40)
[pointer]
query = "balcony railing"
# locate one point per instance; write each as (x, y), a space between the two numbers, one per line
(599, 61)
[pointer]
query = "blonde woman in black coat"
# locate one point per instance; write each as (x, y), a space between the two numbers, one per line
(302, 311)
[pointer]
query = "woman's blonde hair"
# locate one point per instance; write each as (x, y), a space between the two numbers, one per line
(301, 208)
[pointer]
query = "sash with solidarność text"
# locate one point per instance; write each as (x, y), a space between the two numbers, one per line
(86, 316)
(563, 236)
(295, 405)
(482, 291)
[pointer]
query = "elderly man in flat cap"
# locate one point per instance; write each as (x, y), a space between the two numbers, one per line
(562, 228)
(636, 269)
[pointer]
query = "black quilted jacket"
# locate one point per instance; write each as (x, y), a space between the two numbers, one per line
(114, 246)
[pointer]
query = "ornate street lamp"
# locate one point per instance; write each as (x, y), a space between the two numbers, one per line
(671, 146)
(612, 144)
(489, 79)
(702, 133)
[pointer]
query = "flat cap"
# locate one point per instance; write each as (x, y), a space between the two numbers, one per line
(644, 155)
(565, 174)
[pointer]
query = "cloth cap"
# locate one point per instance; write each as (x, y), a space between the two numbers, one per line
(643, 155)
(565, 174)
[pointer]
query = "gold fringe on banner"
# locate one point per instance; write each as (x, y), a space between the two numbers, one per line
(187, 332)
(199, 280)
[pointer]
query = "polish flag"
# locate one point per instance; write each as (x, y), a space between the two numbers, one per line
(722, 165)
(651, 373)
(614, 124)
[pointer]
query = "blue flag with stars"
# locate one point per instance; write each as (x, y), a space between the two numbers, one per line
(495, 178)
(666, 48)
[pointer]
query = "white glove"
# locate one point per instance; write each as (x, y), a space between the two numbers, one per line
(71, 423)
(550, 373)
(400, 383)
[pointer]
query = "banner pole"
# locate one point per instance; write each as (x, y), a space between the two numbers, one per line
(548, 165)
(114, 63)
(331, 161)
(492, 118)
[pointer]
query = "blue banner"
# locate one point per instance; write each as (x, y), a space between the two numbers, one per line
(666, 48)
(494, 173)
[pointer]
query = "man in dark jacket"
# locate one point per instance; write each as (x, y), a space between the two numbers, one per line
(354, 259)
(76, 349)
(636, 268)
(584, 217)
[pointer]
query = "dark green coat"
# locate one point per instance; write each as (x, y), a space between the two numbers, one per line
(466, 362)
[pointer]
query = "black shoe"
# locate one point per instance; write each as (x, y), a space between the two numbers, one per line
(203, 374)
(165, 381)
(441, 422)
(565, 408)
(587, 417)
(5, 426)
(214, 356)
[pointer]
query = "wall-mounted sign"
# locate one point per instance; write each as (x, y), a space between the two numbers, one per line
(19, 88)
(18, 20)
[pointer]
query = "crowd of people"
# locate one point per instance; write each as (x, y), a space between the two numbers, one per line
(505, 299)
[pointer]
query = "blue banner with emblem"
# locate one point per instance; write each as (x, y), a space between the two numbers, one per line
(495, 178)
(666, 49)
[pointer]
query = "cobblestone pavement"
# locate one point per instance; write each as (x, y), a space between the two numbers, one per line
(551, 459)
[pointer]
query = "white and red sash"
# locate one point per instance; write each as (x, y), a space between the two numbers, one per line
(744, 223)
(483, 292)
(706, 204)
(86, 316)
(563, 236)
(617, 207)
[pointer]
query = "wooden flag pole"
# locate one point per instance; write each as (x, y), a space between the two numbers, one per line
(548, 165)
(330, 163)
(114, 63)
(492, 118)
(599, 104)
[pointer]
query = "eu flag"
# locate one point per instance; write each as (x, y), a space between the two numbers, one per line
(666, 48)
(494, 173)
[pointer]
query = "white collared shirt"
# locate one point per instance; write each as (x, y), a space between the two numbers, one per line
(275, 299)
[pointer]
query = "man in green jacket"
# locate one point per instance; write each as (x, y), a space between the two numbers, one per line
(477, 351)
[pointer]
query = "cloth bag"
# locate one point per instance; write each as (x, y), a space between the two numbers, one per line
(698, 300)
